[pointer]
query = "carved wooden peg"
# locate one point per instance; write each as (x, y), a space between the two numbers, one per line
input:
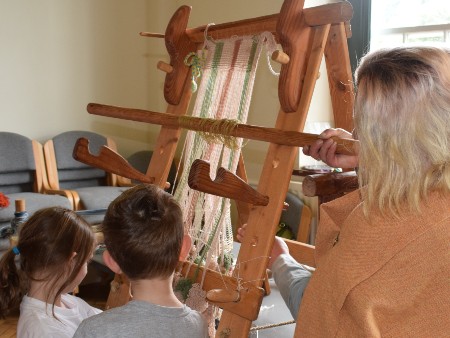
(165, 67)
(107, 160)
(293, 31)
(280, 57)
(226, 184)
(152, 35)
(178, 46)
(223, 296)
(293, 34)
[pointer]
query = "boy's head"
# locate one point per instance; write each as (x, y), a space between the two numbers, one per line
(143, 230)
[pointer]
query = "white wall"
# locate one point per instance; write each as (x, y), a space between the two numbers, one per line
(56, 56)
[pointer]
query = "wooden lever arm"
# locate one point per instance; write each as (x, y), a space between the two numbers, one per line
(226, 184)
(107, 160)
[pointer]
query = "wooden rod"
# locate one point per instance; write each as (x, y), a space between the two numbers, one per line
(280, 57)
(152, 35)
(164, 66)
(282, 137)
(239, 28)
(329, 184)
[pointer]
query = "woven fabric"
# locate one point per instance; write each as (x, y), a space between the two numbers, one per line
(224, 93)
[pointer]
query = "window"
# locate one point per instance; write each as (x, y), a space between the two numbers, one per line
(396, 22)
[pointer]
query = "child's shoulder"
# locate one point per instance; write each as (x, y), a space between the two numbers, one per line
(135, 315)
(82, 306)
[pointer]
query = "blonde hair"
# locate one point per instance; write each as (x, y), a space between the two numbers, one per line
(402, 118)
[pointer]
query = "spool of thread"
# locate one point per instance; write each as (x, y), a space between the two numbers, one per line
(20, 216)
(20, 205)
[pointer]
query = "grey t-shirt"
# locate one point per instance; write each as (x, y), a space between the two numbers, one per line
(143, 319)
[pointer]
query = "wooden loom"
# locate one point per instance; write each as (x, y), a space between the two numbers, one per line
(306, 35)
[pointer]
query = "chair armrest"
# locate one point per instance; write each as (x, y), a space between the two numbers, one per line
(302, 252)
(304, 227)
(69, 194)
(124, 182)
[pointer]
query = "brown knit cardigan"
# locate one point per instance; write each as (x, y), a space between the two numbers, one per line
(379, 277)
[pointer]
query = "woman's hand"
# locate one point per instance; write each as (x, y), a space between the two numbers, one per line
(325, 150)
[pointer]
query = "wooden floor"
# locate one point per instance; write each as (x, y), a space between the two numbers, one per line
(94, 294)
(8, 326)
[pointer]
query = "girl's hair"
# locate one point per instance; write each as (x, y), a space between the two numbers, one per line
(143, 230)
(402, 119)
(46, 244)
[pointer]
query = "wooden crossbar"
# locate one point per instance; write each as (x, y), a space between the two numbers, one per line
(285, 26)
(273, 135)
(316, 16)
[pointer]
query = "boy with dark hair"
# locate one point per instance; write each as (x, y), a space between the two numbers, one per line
(144, 237)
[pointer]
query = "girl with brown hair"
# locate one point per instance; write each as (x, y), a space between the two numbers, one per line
(53, 250)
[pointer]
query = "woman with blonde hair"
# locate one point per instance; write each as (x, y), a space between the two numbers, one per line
(402, 118)
(383, 251)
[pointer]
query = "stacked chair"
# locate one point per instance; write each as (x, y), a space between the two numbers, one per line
(22, 176)
(92, 189)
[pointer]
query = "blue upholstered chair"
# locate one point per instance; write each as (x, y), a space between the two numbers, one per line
(140, 161)
(93, 188)
(22, 176)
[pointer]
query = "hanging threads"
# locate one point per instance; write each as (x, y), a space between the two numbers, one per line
(271, 46)
(213, 130)
(224, 94)
(195, 62)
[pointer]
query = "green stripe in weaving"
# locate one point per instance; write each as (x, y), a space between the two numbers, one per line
(248, 73)
(212, 79)
(206, 104)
